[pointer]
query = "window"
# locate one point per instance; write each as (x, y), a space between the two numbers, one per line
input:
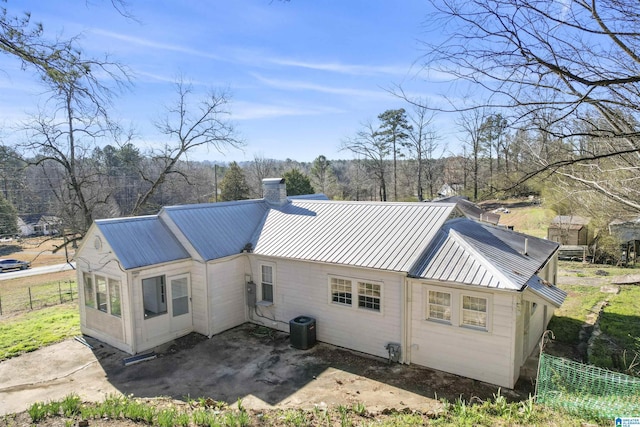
(114, 297)
(341, 291)
(267, 283)
(439, 306)
(154, 295)
(101, 293)
(369, 296)
(89, 295)
(474, 311)
(180, 296)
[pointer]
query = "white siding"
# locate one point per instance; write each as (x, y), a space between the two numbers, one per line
(227, 289)
(151, 332)
(113, 330)
(199, 297)
(482, 355)
(302, 288)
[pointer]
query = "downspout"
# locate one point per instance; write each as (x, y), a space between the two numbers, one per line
(206, 295)
(406, 320)
(132, 319)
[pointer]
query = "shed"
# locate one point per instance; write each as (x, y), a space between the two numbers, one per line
(570, 230)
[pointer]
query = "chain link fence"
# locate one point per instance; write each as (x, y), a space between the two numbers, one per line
(35, 297)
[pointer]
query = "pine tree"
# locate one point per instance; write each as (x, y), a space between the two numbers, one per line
(297, 183)
(8, 218)
(233, 185)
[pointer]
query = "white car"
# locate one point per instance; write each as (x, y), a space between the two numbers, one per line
(13, 264)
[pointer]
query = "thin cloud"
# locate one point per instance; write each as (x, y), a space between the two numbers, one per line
(356, 70)
(298, 85)
(156, 45)
(249, 111)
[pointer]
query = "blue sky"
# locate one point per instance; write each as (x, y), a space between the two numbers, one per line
(303, 75)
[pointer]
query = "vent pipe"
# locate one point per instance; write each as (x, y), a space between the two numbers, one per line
(526, 246)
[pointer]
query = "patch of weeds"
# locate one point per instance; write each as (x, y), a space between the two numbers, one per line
(53, 408)
(296, 417)
(360, 409)
(70, 405)
(206, 418)
(167, 417)
(37, 411)
(345, 420)
(139, 412)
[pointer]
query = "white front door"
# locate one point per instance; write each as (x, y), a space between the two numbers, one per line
(180, 303)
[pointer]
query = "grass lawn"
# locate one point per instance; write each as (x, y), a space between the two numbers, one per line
(31, 330)
(532, 220)
(569, 318)
(620, 325)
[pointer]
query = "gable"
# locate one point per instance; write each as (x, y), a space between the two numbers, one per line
(217, 230)
(141, 241)
(472, 253)
(387, 236)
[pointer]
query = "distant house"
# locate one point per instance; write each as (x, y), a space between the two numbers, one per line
(39, 225)
(448, 292)
(569, 230)
(449, 190)
(471, 210)
(627, 231)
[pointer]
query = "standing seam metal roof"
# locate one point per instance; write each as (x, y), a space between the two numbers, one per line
(153, 242)
(363, 234)
(217, 230)
(469, 252)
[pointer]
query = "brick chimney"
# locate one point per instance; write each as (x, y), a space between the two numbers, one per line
(275, 191)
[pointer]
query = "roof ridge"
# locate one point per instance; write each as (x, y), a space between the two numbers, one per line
(486, 263)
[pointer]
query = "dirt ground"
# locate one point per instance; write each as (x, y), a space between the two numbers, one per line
(39, 251)
(251, 363)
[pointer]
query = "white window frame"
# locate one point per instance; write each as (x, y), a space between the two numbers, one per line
(358, 294)
(457, 308)
(355, 294)
(429, 304)
(263, 301)
(486, 312)
(107, 293)
(350, 290)
(164, 294)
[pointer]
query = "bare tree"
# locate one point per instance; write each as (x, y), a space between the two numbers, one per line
(374, 150)
(259, 169)
(422, 143)
(471, 125)
(189, 127)
(572, 60)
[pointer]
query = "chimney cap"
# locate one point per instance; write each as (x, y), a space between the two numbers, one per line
(273, 181)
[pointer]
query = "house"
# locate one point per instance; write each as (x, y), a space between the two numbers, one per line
(448, 292)
(471, 210)
(570, 230)
(627, 231)
(39, 225)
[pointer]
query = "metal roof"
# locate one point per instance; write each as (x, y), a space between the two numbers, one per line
(217, 230)
(470, 252)
(141, 241)
(381, 235)
(546, 290)
(471, 210)
(564, 220)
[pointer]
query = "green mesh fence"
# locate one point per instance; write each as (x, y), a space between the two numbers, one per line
(587, 390)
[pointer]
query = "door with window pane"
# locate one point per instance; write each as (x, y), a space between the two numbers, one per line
(180, 303)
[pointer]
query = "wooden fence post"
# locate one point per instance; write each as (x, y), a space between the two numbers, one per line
(60, 291)
(30, 299)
